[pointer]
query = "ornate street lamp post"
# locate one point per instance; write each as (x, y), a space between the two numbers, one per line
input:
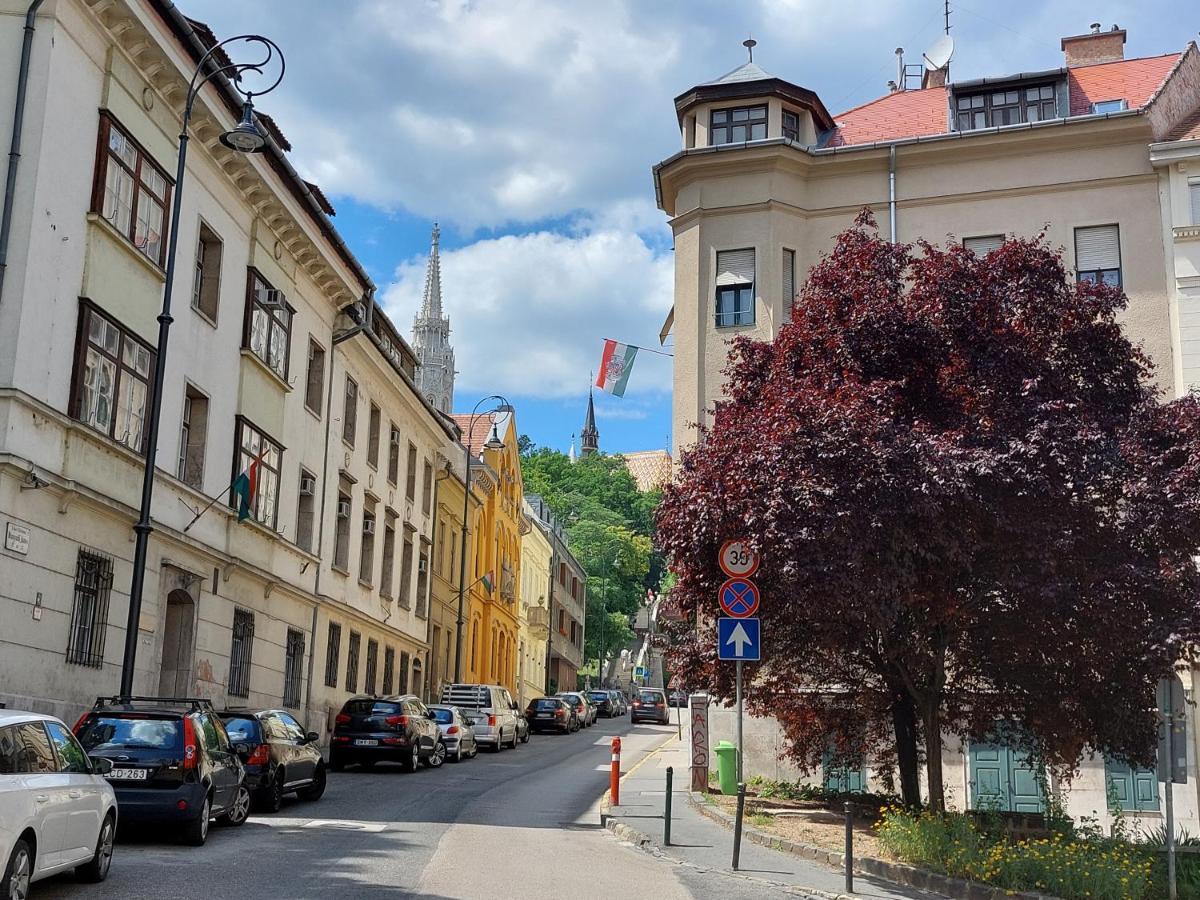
(246, 137)
(493, 443)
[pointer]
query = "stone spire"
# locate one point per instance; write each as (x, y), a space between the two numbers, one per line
(589, 438)
(431, 337)
(571, 457)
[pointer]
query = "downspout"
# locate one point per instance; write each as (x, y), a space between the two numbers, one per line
(14, 153)
(892, 190)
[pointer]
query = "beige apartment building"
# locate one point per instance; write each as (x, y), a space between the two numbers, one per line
(1101, 151)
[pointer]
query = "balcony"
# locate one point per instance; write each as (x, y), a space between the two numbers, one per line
(539, 622)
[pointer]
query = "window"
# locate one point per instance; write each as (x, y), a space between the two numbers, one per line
(562, 574)
(735, 126)
(403, 685)
(372, 661)
(89, 611)
(562, 621)
(982, 246)
(305, 510)
(366, 552)
(268, 324)
(389, 668)
(206, 285)
(422, 577)
(112, 379)
(252, 445)
(350, 411)
(373, 438)
(735, 288)
(789, 283)
(38, 754)
(1132, 789)
(440, 564)
(1035, 103)
(574, 588)
(1098, 255)
(193, 431)
(333, 649)
(791, 125)
(240, 652)
(315, 386)
(393, 474)
(410, 485)
(352, 662)
(454, 559)
(1194, 197)
(1108, 106)
(341, 534)
(406, 563)
(427, 488)
(131, 191)
(386, 576)
(293, 667)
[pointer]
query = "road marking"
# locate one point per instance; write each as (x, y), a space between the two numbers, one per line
(338, 824)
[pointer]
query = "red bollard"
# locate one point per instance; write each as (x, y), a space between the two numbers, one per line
(614, 778)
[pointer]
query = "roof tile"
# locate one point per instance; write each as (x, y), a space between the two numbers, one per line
(1131, 80)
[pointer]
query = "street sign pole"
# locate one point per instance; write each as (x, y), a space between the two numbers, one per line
(1170, 788)
(739, 722)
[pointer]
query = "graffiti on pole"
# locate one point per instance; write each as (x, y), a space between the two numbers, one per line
(698, 723)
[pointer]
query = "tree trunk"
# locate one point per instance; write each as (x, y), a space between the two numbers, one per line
(933, 754)
(904, 721)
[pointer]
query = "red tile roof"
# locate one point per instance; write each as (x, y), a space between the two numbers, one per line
(477, 436)
(1188, 129)
(909, 114)
(1131, 80)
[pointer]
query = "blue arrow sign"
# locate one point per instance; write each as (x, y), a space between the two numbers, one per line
(738, 639)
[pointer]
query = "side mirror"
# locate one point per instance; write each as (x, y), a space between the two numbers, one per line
(242, 750)
(312, 737)
(100, 765)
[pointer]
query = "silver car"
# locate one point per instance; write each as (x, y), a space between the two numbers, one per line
(457, 733)
(490, 710)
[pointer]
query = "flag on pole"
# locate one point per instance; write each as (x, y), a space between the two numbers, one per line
(615, 366)
(245, 488)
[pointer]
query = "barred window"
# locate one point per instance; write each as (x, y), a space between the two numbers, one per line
(333, 650)
(293, 668)
(372, 662)
(89, 613)
(240, 653)
(352, 662)
(389, 668)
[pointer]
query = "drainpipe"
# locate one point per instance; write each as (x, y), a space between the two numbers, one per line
(892, 190)
(14, 153)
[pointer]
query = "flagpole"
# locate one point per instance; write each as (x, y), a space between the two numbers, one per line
(646, 349)
(215, 497)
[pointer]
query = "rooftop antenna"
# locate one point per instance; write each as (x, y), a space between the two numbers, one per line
(947, 15)
(750, 44)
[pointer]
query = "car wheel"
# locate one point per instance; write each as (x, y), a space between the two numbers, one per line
(195, 833)
(271, 798)
(315, 790)
(435, 759)
(525, 736)
(474, 749)
(239, 809)
(515, 740)
(96, 869)
(409, 764)
(458, 754)
(19, 872)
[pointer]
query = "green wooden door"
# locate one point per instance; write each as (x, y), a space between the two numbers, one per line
(1003, 779)
(1131, 790)
(844, 779)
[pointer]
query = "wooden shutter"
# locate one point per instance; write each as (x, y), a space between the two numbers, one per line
(1097, 248)
(735, 267)
(1194, 195)
(982, 246)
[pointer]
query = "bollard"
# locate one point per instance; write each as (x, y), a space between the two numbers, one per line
(849, 847)
(737, 824)
(667, 810)
(614, 778)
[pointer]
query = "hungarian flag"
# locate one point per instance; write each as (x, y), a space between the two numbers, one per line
(615, 366)
(245, 488)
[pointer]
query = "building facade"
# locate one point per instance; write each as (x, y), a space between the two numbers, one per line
(537, 563)
(567, 602)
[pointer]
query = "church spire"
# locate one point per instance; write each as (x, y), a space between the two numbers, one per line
(589, 438)
(431, 336)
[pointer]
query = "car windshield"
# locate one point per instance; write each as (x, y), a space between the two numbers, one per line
(241, 730)
(545, 703)
(598, 695)
(101, 732)
(650, 696)
(444, 716)
(571, 698)
(371, 708)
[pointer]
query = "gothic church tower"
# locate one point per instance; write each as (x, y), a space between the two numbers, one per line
(431, 338)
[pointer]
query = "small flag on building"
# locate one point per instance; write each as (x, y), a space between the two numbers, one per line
(615, 366)
(487, 581)
(245, 488)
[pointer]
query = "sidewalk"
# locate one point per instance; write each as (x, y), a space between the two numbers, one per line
(702, 843)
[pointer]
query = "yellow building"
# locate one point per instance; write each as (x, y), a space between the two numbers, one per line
(537, 562)
(490, 643)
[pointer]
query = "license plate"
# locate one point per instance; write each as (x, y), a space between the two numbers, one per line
(361, 742)
(130, 774)
(545, 715)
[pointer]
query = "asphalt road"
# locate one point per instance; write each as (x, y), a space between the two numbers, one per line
(521, 823)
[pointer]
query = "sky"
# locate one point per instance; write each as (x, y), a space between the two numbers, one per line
(528, 129)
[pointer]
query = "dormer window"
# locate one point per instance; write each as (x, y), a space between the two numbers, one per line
(1108, 106)
(791, 125)
(991, 109)
(738, 125)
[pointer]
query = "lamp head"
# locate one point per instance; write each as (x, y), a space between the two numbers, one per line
(494, 442)
(246, 137)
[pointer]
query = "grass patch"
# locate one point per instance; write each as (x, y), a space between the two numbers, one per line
(761, 819)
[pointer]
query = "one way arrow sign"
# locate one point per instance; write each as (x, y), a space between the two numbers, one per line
(738, 639)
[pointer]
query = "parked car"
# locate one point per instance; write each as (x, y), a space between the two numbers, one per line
(650, 705)
(56, 810)
(386, 729)
(457, 734)
(172, 762)
(622, 703)
(523, 729)
(678, 698)
(583, 709)
(603, 702)
(491, 710)
(552, 714)
(283, 758)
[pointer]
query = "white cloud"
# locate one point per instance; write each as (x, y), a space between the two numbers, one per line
(529, 312)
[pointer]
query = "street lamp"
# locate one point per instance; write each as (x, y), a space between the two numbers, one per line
(244, 138)
(493, 443)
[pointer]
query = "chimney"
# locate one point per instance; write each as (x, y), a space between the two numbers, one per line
(932, 78)
(1094, 47)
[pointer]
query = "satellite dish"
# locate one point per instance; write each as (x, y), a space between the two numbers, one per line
(938, 56)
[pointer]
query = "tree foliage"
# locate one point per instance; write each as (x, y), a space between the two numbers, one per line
(971, 505)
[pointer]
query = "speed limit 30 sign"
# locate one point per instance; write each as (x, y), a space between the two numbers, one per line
(737, 559)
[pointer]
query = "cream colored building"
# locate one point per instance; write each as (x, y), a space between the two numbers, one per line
(1101, 151)
(537, 561)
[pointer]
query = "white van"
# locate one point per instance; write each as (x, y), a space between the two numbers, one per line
(493, 714)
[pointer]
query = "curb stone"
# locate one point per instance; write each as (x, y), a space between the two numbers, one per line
(911, 876)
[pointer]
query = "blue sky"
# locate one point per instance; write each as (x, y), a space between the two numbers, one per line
(528, 129)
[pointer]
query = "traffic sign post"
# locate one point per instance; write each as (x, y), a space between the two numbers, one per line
(738, 633)
(739, 640)
(737, 559)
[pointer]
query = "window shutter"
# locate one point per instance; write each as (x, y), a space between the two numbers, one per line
(735, 267)
(1119, 782)
(789, 282)
(1194, 190)
(1097, 248)
(982, 246)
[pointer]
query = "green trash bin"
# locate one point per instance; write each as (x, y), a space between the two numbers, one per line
(726, 754)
